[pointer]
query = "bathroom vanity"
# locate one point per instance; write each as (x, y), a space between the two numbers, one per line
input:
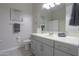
(52, 45)
(55, 20)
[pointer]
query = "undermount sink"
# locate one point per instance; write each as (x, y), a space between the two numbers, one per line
(48, 34)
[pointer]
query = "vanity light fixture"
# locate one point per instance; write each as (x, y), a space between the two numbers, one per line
(57, 3)
(49, 5)
(46, 6)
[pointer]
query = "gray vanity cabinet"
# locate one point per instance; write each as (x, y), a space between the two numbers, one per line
(65, 49)
(46, 47)
(47, 50)
(60, 53)
(40, 48)
(34, 46)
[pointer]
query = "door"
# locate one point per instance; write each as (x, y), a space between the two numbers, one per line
(34, 46)
(47, 50)
(39, 49)
(60, 53)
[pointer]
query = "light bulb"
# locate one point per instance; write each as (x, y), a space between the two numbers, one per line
(52, 5)
(46, 6)
(57, 3)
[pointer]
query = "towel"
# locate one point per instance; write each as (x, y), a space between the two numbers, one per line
(16, 27)
(74, 21)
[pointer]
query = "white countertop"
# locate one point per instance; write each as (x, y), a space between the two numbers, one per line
(67, 39)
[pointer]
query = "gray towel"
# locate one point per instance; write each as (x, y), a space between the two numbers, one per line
(16, 27)
(75, 15)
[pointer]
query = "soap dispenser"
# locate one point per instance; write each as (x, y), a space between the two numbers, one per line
(42, 27)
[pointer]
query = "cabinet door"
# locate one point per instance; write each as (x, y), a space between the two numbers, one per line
(39, 49)
(68, 48)
(47, 50)
(34, 47)
(60, 53)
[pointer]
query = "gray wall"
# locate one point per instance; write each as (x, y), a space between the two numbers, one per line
(36, 9)
(7, 37)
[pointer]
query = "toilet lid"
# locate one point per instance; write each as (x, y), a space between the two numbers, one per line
(26, 40)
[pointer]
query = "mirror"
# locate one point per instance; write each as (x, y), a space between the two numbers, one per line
(53, 18)
(56, 19)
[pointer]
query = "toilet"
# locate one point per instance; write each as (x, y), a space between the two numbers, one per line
(27, 44)
(23, 43)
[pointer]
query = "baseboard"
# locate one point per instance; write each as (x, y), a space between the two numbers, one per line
(8, 50)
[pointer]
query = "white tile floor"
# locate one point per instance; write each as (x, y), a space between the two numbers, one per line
(25, 52)
(18, 52)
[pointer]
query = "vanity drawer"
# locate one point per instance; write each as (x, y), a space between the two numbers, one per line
(60, 53)
(47, 41)
(43, 40)
(71, 49)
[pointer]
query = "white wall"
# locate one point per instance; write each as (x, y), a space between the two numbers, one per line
(7, 37)
(36, 8)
